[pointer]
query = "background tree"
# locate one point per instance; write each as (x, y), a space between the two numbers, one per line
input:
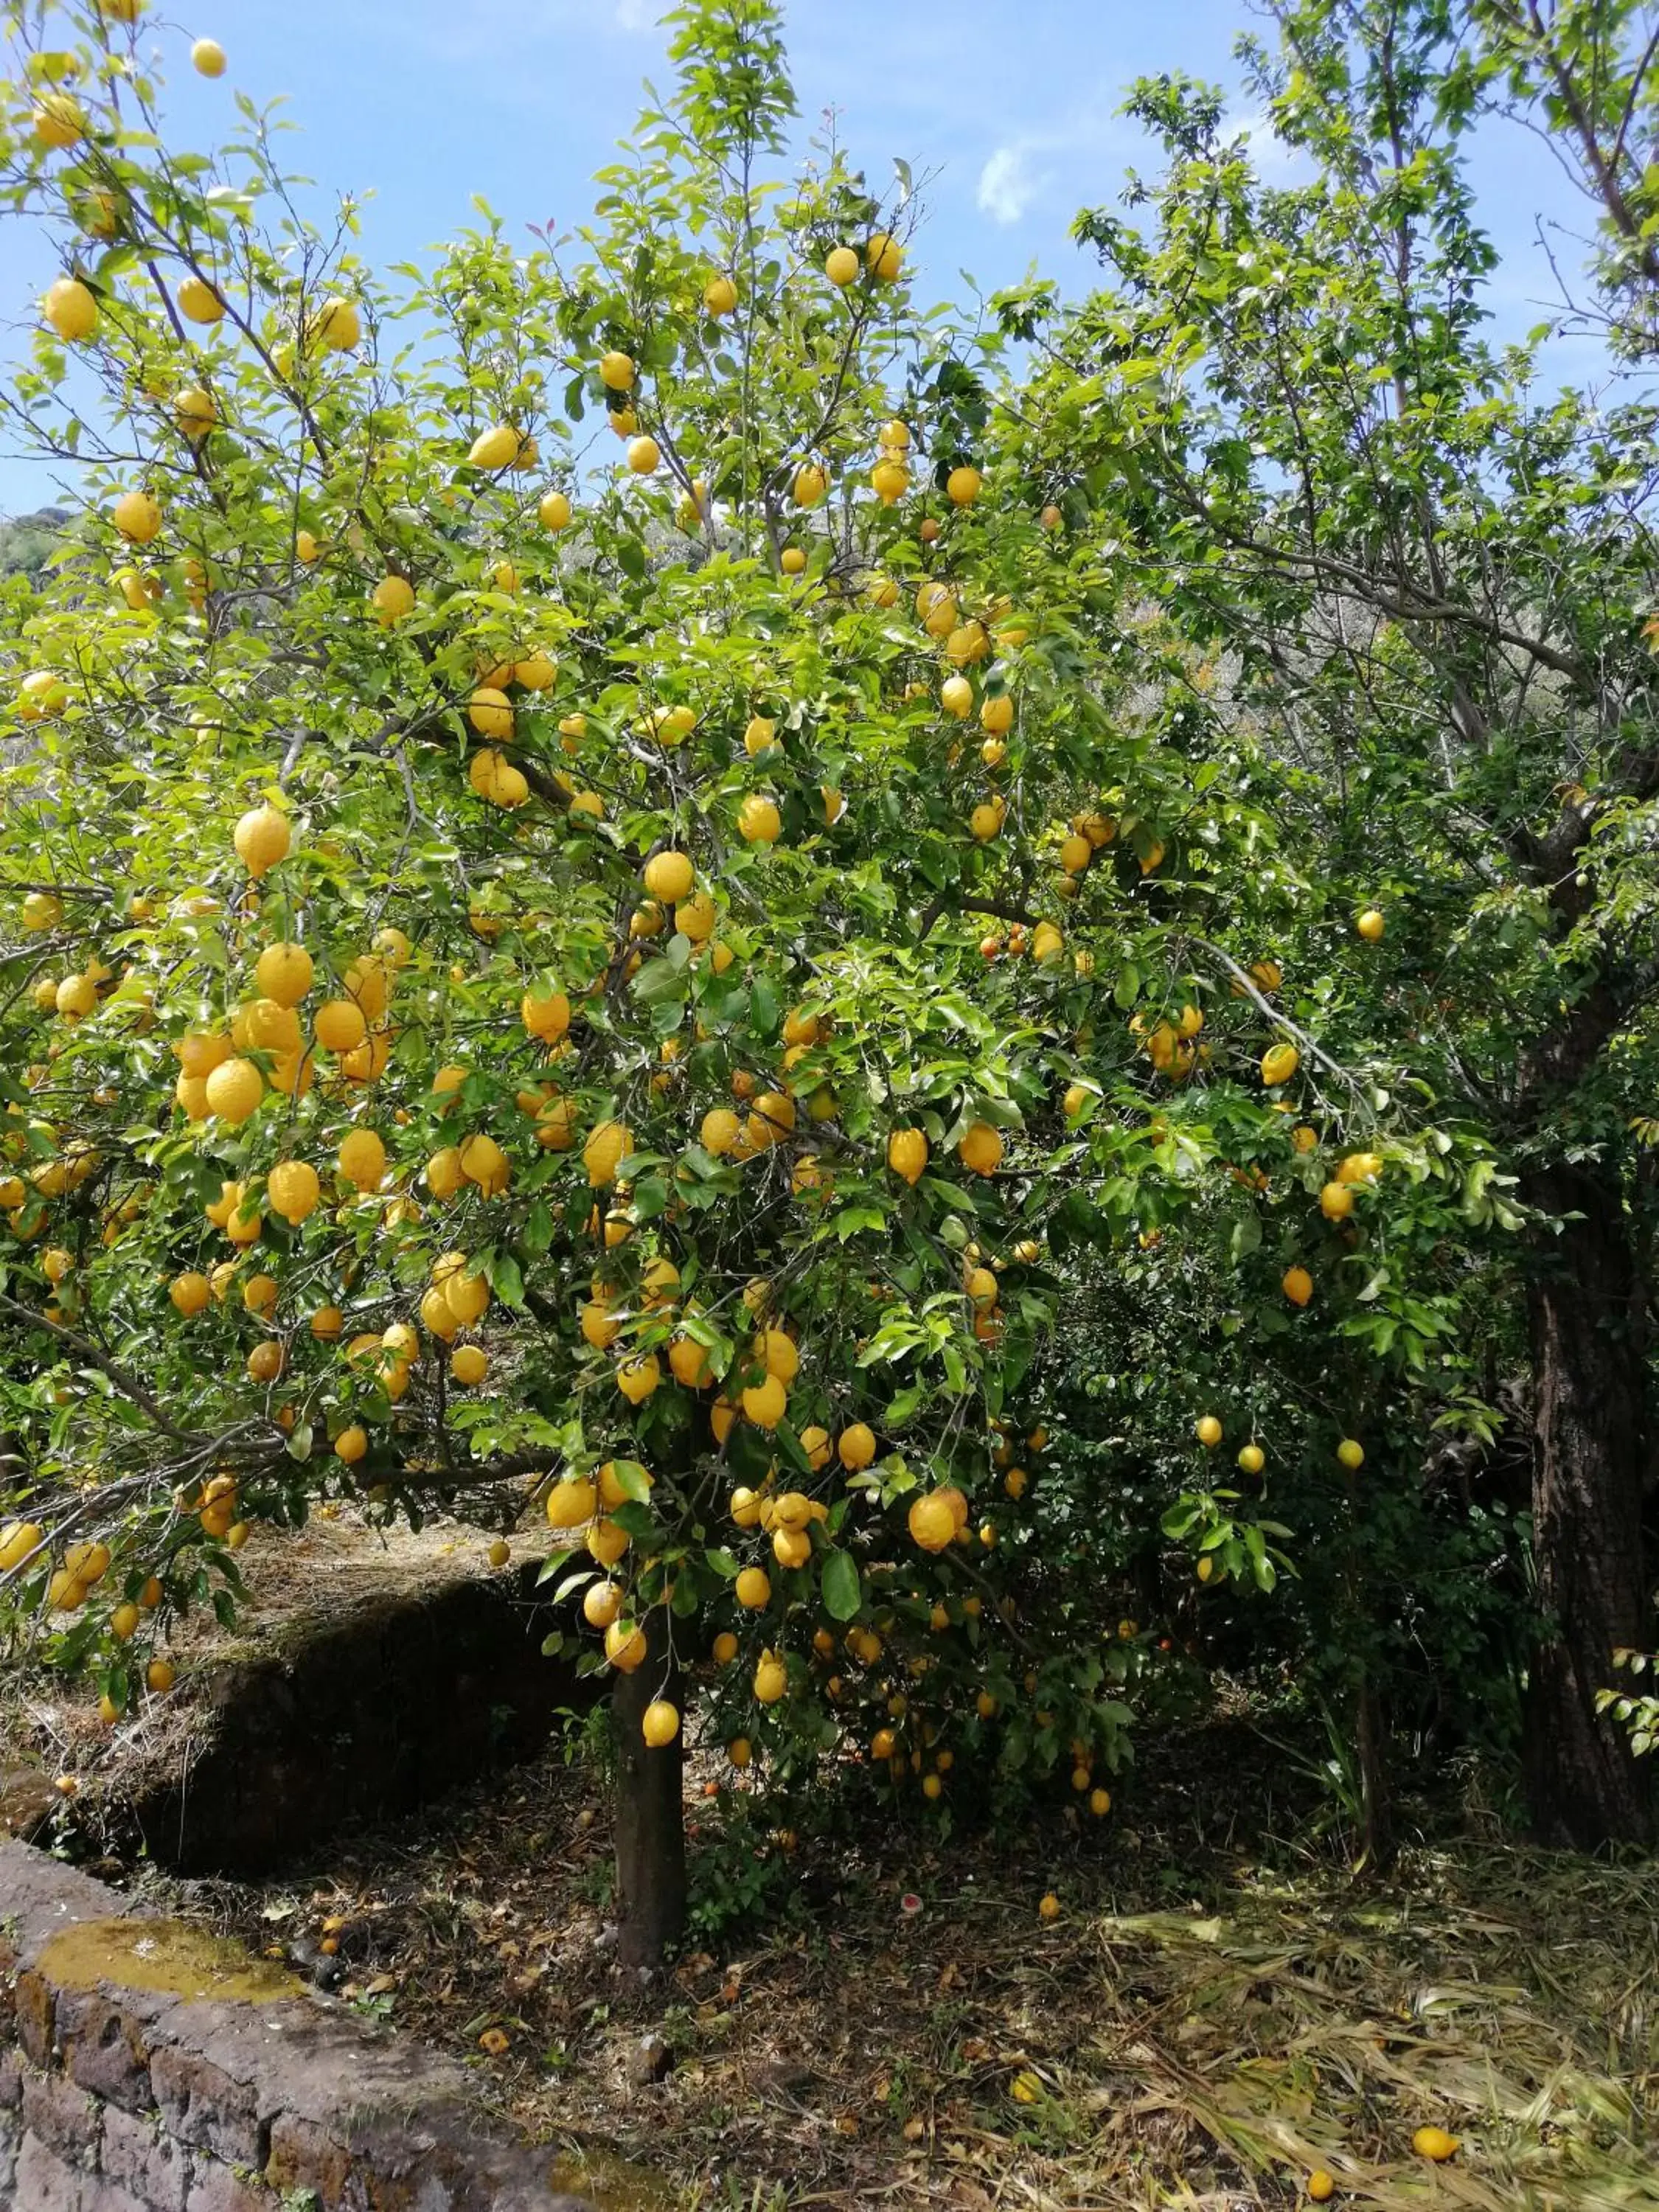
(1421, 584)
(28, 541)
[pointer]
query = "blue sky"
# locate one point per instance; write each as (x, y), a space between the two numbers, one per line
(1007, 106)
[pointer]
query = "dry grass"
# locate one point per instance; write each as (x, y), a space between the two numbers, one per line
(1203, 2026)
(298, 1583)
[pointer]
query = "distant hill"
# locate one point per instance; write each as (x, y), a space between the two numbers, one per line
(26, 540)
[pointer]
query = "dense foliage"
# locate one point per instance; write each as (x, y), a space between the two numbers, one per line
(1425, 580)
(634, 883)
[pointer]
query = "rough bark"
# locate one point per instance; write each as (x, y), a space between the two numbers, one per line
(1377, 1846)
(648, 1816)
(1590, 1442)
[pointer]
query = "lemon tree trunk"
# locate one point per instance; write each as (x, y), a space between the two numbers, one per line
(648, 1816)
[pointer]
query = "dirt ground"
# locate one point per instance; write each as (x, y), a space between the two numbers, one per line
(1205, 2024)
(867, 2016)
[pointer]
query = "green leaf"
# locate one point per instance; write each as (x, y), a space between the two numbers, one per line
(637, 1520)
(842, 1594)
(632, 1480)
(1246, 1237)
(650, 1195)
(901, 1407)
(852, 1218)
(659, 980)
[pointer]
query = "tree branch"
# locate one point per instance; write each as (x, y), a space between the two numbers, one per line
(1003, 909)
(1306, 1043)
(127, 1384)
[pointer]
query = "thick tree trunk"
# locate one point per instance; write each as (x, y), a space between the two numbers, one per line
(649, 1817)
(1376, 1849)
(1590, 1442)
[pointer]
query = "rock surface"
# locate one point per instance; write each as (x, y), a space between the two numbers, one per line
(146, 2066)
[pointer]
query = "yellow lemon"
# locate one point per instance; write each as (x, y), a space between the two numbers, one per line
(637, 1378)
(338, 327)
(71, 309)
(659, 1723)
(392, 597)
(669, 876)
(980, 1148)
(494, 448)
(856, 1446)
(198, 299)
(758, 820)
(1280, 1063)
(262, 838)
(884, 258)
(137, 517)
(609, 1143)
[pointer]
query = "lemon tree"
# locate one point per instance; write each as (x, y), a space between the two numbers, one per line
(604, 901)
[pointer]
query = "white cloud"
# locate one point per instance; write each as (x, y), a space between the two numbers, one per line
(635, 15)
(1007, 185)
(1273, 158)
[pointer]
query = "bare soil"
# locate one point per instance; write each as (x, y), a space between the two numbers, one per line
(1209, 2020)
(869, 2014)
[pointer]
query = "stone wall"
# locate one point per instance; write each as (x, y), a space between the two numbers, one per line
(409, 1693)
(146, 2066)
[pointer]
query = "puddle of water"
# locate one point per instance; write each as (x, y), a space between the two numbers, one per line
(173, 1956)
(614, 2184)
